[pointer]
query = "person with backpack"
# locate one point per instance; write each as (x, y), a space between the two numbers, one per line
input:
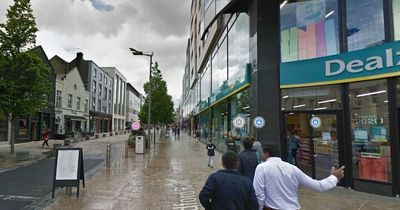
(248, 160)
(210, 153)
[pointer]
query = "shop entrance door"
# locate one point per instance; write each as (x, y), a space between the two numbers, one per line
(317, 149)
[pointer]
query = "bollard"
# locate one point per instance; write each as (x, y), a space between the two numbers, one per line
(108, 156)
(126, 149)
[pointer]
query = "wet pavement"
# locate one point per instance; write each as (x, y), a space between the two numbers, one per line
(171, 175)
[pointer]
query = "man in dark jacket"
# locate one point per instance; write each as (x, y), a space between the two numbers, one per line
(248, 160)
(226, 189)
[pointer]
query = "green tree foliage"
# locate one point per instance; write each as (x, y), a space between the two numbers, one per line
(24, 83)
(162, 106)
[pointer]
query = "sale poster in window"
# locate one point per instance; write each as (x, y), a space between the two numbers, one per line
(378, 134)
(360, 135)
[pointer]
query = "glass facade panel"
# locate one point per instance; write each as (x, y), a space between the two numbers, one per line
(205, 87)
(219, 125)
(370, 130)
(365, 24)
(396, 19)
(311, 98)
(238, 41)
(240, 106)
(309, 29)
(219, 69)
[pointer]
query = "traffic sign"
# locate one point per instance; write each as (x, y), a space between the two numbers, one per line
(135, 126)
(315, 122)
(238, 122)
(259, 122)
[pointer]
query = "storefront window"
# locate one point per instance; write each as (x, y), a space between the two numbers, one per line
(219, 125)
(205, 125)
(370, 130)
(311, 98)
(365, 24)
(205, 87)
(309, 29)
(396, 19)
(240, 106)
(23, 129)
(238, 41)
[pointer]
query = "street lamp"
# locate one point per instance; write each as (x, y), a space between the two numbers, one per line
(137, 52)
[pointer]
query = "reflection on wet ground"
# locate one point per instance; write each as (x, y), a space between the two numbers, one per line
(171, 175)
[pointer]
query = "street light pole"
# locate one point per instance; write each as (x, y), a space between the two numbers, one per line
(149, 111)
(137, 52)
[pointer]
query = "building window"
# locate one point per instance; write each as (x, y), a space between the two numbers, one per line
(365, 24)
(100, 88)
(86, 105)
(94, 73)
(99, 105)
(370, 130)
(238, 47)
(105, 80)
(94, 87)
(109, 108)
(309, 29)
(100, 76)
(105, 93)
(109, 95)
(59, 99)
(396, 19)
(69, 100)
(94, 103)
(78, 103)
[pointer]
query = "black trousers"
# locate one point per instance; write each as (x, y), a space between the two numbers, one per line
(45, 142)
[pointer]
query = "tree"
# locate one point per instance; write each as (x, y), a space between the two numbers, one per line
(24, 84)
(162, 106)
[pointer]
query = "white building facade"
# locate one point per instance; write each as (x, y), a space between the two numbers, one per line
(119, 99)
(72, 101)
(133, 103)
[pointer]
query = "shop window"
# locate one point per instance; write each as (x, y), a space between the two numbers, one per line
(365, 24)
(69, 100)
(240, 106)
(370, 130)
(311, 98)
(219, 125)
(396, 19)
(205, 85)
(309, 29)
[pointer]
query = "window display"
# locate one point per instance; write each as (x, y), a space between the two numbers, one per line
(370, 130)
(365, 23)
(309, 29)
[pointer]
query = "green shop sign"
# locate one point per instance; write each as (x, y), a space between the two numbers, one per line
(376, 62)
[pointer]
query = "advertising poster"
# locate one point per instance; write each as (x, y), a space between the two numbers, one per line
(360, 135)
(378, 134)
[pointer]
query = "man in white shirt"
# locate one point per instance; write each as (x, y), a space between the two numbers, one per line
(276, 182)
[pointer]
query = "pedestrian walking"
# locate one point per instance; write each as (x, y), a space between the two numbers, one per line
(276, 182)
(230, 142)
(248, 160)
(210, 153)
(197, 135)
(45, 136)
(293, 143)
(257, 146)
(227, 189)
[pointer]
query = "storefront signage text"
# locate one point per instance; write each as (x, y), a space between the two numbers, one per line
(375, 62)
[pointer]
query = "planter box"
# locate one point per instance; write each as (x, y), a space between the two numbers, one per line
(96, 136)
(104, 135)
(116, 133)
(22, 156)
(67, 141)
(111, 133)
(87, 137)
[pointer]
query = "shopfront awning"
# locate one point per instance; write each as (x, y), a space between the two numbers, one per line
(75, 118)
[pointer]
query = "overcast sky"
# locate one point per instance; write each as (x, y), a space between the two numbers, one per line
(104, 30)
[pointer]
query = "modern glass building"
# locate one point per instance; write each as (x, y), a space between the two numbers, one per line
(338, 62)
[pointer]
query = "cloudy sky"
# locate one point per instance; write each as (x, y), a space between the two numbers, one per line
(104, 30)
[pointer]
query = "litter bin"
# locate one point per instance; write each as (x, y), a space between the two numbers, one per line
(139, 147)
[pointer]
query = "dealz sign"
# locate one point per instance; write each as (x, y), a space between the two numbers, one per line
(380, 61)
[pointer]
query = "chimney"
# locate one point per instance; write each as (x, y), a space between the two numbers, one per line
(79, 56)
